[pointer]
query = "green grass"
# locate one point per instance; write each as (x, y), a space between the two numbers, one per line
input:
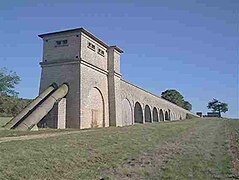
(206, 156)
(3, 121)
(107, 153)
(12, 133)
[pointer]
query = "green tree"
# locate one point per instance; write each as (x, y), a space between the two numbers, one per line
(173, 96)
(10, 104)
(8, 81)
(217, 106)
(187, 105)
(177, 98)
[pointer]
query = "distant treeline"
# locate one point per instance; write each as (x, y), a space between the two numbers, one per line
(10, 105)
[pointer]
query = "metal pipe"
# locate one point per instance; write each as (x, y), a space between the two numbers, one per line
(31, 106)
(43, 109)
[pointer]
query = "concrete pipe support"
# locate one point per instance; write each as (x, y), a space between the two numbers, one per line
(43, 109)
(31, 106)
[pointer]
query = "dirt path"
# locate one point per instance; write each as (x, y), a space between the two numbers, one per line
(36, 136)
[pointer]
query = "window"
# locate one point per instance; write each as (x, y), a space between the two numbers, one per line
(64, 42)
(101, 52)
(61, 43)
(58, 43)
(91, 46)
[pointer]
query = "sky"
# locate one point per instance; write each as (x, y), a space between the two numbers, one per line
(187, 45)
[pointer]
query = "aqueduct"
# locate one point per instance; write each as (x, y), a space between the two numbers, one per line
(88, 89)
(140, 106)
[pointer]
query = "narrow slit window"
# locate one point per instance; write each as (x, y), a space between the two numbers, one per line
(61, 43)
(58, 43)
(64, 42)
(101, 52)
(91, 46)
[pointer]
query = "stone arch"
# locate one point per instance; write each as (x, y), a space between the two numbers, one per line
(127, 116)
(96, 108)
(155, 115)
(173, 116)
(138, 113)
(161, 116)
(147, 114)
(167, 116)
(184, 116)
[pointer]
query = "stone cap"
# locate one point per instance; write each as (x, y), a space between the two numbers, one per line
(116, 48)
(85, 32)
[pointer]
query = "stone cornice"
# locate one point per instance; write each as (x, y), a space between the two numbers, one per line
(82, 30)
(59, 63)
(81, 61)
(93, 67)
(166, 101)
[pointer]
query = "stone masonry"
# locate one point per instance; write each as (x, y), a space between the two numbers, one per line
(98, 96)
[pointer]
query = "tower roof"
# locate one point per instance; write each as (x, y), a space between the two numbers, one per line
(85, 32)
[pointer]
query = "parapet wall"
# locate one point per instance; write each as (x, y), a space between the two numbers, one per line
(150, 102)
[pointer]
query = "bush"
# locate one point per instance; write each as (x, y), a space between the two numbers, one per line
(190, 116)
(11, 105)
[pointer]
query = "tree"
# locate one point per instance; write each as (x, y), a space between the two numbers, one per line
(8, 80)
(177, 98)
(173, 96)
(11, 105)
(187, 105)
(217, 106)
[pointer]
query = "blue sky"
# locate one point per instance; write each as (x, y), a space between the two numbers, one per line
(188, 45)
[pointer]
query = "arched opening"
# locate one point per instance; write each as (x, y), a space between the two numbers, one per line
(173, 116)
(155, 115)
(147, 114)
(169, 114)
(166, 116)
(138, 113)
(161, 116)
(95, 109)
(126, 113)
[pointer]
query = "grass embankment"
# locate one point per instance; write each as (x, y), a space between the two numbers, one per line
(10, 133)
(206, 155)
(190, 149)
(3, 121)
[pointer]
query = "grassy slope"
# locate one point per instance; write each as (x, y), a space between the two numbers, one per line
(96, 153)
(206, 155)
(6, 133)
(4, 120)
